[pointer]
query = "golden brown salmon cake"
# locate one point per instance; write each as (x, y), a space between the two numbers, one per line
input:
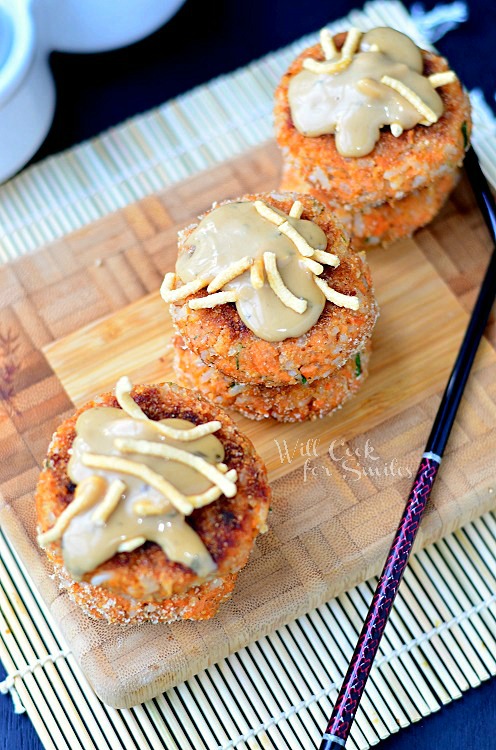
(221, 338)
(144, 584)
(388, 221)
(289, 403)
(396, 166)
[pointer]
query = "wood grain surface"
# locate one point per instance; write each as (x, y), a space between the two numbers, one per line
(135, 341)
(79, 313)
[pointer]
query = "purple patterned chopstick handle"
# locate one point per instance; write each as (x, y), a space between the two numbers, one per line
(354, 683)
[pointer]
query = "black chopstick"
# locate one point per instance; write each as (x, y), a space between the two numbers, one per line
(347, 702)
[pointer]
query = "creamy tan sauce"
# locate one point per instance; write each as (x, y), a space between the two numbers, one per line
(230, 232)
(85, 544)
(353, 104)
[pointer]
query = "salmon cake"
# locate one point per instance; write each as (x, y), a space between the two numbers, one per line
(268, 290)
(366, 119)
(287, 403)
(385, 222)
(149, 504)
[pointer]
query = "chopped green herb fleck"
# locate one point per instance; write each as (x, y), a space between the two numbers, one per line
(465, 134)
(240, 347)
(358, 366)
(231, 385)
(304, 381)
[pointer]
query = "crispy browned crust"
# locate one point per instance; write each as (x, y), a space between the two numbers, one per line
(290, 403)
(228, 526)
(388, 221)
(396, 166)
(220, 337)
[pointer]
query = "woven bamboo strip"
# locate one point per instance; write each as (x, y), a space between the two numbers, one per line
(415, 680)
(460, 645)
(204, 693)
(180, 700)
(232, 671)
(261, 701)
(154, 727)
(479, 537)
(283, 692)
(483, 623)
(60, 187)
(406, 626)
(473, 587)
(32, 708)
(490, 522)
(30, 682)
(435, 652)
(220, 704)
(356, 606)
(71, 727)
(129, 729)
(242, 712)
(463, 542)
(481, 640)
(166, 714)
(382, 718)
(141, 719)
(451, 623)
(81, 693)
(46, 646)
(452, 595)
(457, 663)
(384, 709)
(235, 708)
(38, 720)
(319, 711)
(46, 643)
(193, 699)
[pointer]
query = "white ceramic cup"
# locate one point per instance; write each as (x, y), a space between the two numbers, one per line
(29, 30)
(27, 92)
(98, 25)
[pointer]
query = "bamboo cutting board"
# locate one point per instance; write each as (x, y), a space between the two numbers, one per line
(85, 310)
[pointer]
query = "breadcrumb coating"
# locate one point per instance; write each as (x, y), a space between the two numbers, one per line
(388, 221)
(289, 403)
(144, 584)
(220, 338)
(396, 166)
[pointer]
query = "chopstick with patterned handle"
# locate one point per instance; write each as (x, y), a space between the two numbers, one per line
(347, 702)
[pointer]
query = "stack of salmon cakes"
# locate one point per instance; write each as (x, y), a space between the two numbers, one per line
(273, 310)
(375, 128)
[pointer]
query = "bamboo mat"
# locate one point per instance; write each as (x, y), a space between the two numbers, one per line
(274, 693)
(196, 131)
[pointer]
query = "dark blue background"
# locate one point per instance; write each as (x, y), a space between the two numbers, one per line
(205, 39)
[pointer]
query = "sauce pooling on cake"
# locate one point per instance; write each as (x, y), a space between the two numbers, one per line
(375, 80)
(136, 481)
(266, 262)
